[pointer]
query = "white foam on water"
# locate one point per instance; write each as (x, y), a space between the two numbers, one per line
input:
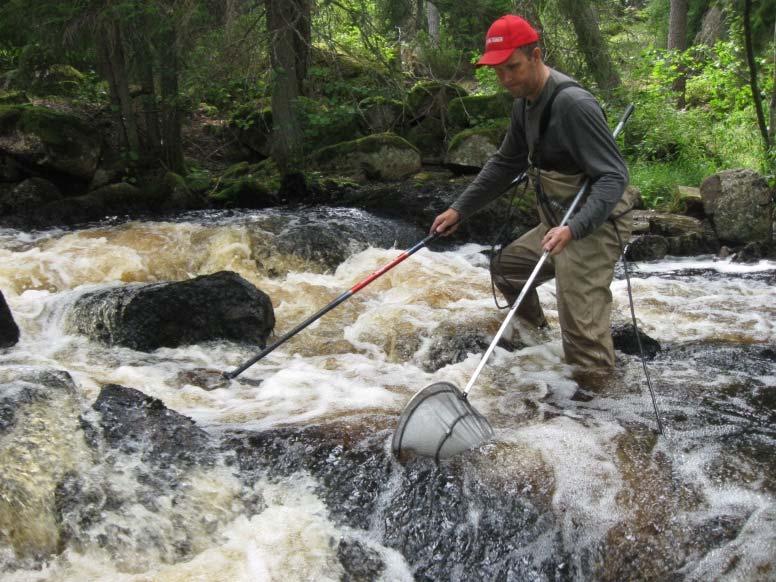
(586, 477)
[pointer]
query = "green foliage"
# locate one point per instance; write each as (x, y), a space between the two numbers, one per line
(443, 60)
(325, 122)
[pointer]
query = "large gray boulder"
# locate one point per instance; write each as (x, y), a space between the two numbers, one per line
(146, 317)
(9, 331)
(43, 139)
(471, 148)
(741, 205)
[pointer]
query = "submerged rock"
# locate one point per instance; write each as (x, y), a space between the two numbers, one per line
(625, 340)
(9, 331)
(146, 317)
(40, 443)
(132, 422)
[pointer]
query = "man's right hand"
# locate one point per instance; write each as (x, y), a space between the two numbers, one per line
(446, 223)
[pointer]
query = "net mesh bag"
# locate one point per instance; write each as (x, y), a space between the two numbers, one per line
(440, 422)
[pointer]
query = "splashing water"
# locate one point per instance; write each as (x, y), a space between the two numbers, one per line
(611, 500)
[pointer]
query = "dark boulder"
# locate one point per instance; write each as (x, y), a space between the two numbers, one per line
(146, 317)
(9, 331)
(648, 247)
(46, 140)
(754, 252)
(28, 196)
(133, 422)
(625, 341)
(360, 562)
(419, 204)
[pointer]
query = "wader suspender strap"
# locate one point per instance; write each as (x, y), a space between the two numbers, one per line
(544, 201)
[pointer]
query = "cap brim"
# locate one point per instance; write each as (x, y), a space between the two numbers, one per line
(492, 58)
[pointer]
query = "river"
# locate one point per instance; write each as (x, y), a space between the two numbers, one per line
(600, 495)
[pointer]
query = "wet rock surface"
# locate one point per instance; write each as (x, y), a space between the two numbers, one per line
(625, 340)
(9, 331)
(132, 422)
(145, 317)
(420, 204)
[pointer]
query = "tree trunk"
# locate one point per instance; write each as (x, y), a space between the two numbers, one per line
(113, 64)
(591, 43)
(432, 17)
(289, 29)
(677, 41)
(152, 144)
(172, 146)
(758, 104)
(772, 126)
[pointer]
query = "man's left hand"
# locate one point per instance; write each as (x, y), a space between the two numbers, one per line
(556, 239)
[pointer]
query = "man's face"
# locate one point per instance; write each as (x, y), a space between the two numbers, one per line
(520, 75)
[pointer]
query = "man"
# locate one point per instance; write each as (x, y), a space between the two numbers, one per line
(575, 144)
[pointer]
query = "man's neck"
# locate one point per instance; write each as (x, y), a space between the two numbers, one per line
(544, 74)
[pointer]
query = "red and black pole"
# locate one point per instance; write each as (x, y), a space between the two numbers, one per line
(346, 295)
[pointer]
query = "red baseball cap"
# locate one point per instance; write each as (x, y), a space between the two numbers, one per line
(504, 36)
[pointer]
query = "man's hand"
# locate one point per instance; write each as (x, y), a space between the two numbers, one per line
(446, 223)
(556, 239)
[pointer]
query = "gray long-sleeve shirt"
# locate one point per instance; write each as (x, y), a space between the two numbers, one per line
(577, 140)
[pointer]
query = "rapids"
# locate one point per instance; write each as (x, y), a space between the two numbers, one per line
(587, 490)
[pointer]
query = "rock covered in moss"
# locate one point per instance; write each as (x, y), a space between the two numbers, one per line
(431, 99)
(741, 205)
(473, 110)
(246, 185)
(379, 114)
(471, 148)
(384, 156)
(50, 140)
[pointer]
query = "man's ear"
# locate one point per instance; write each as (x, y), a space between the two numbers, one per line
(536, 53)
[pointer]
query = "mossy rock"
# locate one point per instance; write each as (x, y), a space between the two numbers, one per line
(175, 194)
(471, 148)
(49, 139)
(252, 126)
(431, 98)
(429, 136)
(345, 66)
(379, 115)
(475, 110)
(245, 185)
(13, 98)
(384, 156)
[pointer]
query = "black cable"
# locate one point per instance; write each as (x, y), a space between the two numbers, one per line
(496, 243)
(636, 327)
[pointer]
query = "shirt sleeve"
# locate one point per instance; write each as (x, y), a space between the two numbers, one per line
(594, 150)
(501, 168)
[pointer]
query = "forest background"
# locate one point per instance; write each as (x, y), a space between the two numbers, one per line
(701, 73)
